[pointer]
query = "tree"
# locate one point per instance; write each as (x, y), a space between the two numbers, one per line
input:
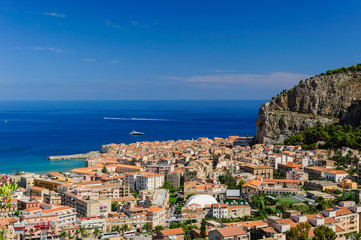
(136, 194)
(104, 170)
(70, 236)
(300, 232)
(170, 187)
(324, 233)
(259, 201)
(117, 229)
(6, 191)
(228, 179)
(203, 229)
(62, 235)
(114, 206)
(241, 183)
(147, 227)
(353, 236)
(337, 191)
(190, 195)
(159, 227)
(125, 228)
(83, 232)
(96, 232)
(77, 234)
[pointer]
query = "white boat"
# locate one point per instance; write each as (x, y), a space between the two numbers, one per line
(134, 133)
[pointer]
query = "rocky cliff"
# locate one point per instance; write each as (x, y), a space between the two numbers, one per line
(327, 98)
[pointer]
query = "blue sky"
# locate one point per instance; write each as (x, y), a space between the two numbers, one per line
(89, 50)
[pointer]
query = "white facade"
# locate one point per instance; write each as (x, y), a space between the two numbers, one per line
(335, 176)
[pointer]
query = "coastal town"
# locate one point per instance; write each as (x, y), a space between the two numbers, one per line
(189, 189)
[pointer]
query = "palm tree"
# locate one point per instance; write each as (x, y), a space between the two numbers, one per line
(77, 233)
(117, 229)
(125, 228)
(147, 227)
(62, 235)
(96, 232)
(83, 232)
(70, 236)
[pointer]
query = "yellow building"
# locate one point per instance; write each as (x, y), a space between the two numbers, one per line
(347, 184)
(48, 184)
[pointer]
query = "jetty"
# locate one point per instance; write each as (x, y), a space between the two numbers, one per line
(68, 157)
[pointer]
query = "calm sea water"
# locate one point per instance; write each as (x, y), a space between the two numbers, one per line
(30, 131)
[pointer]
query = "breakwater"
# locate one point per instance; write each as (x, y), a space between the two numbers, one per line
(68, 157)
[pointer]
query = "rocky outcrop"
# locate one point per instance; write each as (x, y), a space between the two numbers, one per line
(327, 99)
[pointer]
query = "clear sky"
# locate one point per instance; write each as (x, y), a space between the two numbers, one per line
(205, 49)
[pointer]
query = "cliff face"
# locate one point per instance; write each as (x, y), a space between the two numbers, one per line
(327, 99)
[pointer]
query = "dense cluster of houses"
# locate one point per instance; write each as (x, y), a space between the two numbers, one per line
(129, 185)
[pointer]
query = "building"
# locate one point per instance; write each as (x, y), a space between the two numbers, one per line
(48, 184)
(320, 185)
(296, 174)
(170, 234)
(93, 206)
(202, 205)
(325, 173)
(157, 216)
(290, 166)
(347, 184)
(121, 168)
(175, 178)
(216, 190)
(228, 233)
(316, 194)
(336, 175)
(52, 198)
(161, 168)
(270, 186)
(243, 141)
(315, 172)
(260, 170)
(143, 180)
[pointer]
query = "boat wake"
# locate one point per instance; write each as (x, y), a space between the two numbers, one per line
(136, 119)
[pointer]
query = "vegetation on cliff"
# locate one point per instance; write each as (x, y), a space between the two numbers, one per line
(331, 137)
(353, 68)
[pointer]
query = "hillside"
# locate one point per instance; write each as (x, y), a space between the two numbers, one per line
(328, 98)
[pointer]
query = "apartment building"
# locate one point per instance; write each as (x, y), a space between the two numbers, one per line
(122, 168)
(157, 216)
(215, 190)
(143, 180)
(92, 206)
(175, 178)
(160, 168)
(48, 184)
(260, 170)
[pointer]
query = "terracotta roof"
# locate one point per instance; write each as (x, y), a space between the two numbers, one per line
(153, 209)
(231, 231)
(174, 231)
(293, 165)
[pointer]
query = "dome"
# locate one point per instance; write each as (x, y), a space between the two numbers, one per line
(201, 200)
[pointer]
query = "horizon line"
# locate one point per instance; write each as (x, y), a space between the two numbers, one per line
(43, 100)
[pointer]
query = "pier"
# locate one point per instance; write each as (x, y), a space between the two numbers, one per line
(68, 157)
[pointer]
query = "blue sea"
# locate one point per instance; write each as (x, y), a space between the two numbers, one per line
(30, 131)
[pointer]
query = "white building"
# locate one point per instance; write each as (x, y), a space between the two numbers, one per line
(337, 175)
(143, 180)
